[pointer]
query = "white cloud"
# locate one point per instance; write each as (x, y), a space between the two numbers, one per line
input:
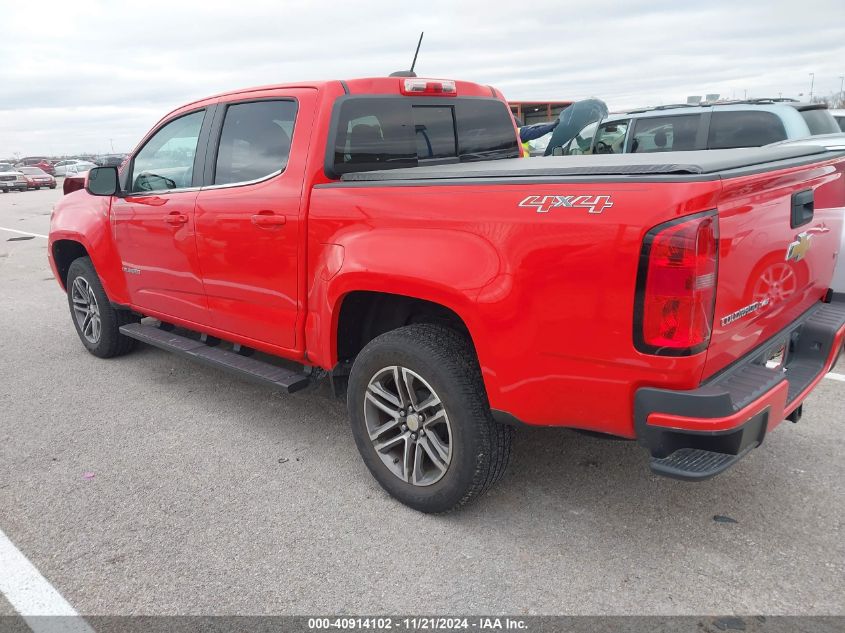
(88, 72)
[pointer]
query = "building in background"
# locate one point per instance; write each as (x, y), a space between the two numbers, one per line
(531, 112)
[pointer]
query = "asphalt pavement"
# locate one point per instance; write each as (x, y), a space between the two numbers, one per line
(151, 485)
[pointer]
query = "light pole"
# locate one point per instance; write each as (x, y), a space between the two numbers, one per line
(841, 95)
(812, 81)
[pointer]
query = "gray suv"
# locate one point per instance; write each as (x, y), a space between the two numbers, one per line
(709, 126)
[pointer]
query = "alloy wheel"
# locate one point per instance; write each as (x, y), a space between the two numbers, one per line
(408, 426)
(86, 310)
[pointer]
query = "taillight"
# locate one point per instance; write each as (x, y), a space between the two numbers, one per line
(676, 286)
(437, 87)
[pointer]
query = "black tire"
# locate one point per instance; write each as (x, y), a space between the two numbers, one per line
(446, 360)
(52, 186)
(5, 191)
(110, 342)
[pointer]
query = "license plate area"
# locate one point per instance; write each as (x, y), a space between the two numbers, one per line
(776, 357)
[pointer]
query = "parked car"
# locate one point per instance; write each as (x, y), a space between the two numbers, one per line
(74, 182)
(79, 167)
(41, 163)
(383, 233)
(37, 178)
(111, 160)
(715, 126)
(62, 165)
(839, 115)
(11, 179)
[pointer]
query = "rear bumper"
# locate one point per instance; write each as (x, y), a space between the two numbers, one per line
(697, 434)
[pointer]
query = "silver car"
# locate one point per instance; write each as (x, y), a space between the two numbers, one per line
(11, 179)
(681, 127)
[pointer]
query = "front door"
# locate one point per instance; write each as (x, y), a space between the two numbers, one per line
(154, 223)
(250, 217)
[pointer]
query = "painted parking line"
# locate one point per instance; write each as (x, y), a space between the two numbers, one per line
(839, 377)
(3, 228)
(42, 607)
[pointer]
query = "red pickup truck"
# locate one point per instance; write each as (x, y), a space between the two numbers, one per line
(383, 234)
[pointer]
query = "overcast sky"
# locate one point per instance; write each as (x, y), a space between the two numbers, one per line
(77, 74)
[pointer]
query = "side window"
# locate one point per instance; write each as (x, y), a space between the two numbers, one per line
(744, 128)
(665, 133)
(167, 160)
(581, 142)
(610, 139)
(255, 141)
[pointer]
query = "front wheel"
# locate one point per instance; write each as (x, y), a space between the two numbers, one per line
(421, 419)
(97, 322)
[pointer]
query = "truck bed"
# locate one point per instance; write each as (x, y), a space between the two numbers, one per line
(698, 165)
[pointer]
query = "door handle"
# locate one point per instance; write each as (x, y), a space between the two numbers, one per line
(268, 219)
(176, 218)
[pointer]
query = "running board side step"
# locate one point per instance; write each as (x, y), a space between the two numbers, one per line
(695, 464)
(284, 379)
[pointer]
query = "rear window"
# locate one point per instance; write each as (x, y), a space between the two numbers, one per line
(666, 133)
(744, 128)
(388, 133)
(820, 121)
(841, 121)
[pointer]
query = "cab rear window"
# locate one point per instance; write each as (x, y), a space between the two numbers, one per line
(376, 133)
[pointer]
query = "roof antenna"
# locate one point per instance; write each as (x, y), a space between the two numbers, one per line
(410, 73)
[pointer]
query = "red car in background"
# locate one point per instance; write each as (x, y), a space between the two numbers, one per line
(74, 182)
(37, 178)
(42, 163)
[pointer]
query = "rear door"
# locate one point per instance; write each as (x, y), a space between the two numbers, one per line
(153, 222)
(250, 214)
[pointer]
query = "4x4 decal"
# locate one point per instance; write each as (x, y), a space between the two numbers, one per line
(543, 204)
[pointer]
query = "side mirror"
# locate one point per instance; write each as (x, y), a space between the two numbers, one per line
(102, 181)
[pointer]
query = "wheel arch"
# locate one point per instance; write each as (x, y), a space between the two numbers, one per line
(362, 315)
(64, 252)
(350, 310)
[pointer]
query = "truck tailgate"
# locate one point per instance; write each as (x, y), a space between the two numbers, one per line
(779, 238)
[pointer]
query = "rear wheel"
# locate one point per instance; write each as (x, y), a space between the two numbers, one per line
(421, 420)
(97, 322)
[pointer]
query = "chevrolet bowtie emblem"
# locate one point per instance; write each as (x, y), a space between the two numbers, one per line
(796, 251)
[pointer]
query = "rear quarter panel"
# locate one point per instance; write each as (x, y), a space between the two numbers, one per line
(547, 297)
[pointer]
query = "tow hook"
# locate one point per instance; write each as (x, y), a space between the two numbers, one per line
(796, 415)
